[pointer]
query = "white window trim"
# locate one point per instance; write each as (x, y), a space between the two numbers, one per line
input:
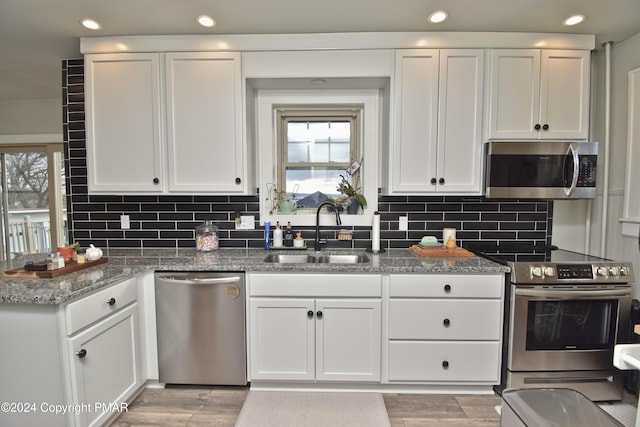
(267, 143)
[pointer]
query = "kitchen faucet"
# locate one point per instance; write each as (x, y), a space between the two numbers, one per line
(338, 222)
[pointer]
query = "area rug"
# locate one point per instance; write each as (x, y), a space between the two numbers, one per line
(311, 409)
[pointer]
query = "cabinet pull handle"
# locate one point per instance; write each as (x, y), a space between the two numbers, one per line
(433, 181)
(238, 180)
(156, 180)
(112, 301)
(537, 126)
(447, 288)
(446, 322)
(445, 364)
(82, 353)
(545, 127)
(310, 314)
(441, 181)
(319, 314)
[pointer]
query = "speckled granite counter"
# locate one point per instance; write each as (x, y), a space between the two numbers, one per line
(125, 263)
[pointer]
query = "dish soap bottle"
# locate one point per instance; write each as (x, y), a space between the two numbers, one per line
(277, 236)
(288, 236)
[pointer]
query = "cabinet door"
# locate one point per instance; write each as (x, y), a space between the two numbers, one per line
(108, 372)
(124, 128)
(564, 94)
(348, 335)
(204, 122)
(413, 163)
(459, 168)
(282, 344)
(515, 93)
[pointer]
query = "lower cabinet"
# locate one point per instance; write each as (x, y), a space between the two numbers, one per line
(328, 330)
(445, 328)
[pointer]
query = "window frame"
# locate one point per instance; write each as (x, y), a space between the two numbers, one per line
(318, 115)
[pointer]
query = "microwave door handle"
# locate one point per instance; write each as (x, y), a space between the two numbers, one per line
(576, 168)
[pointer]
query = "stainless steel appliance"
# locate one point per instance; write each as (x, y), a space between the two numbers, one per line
(541, 169)
(564, 313)
(200, 319)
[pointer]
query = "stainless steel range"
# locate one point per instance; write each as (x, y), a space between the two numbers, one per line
(564, 313)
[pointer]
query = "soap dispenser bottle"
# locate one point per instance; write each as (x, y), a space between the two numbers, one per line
(288, 236)
(277, 236)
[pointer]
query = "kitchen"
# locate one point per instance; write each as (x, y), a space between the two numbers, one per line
(418, 208)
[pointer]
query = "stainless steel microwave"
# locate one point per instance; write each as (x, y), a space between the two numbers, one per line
(541, 170)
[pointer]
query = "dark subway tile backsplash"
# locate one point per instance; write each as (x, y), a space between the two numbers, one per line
(169, 221)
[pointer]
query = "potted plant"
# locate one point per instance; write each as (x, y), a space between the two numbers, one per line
(351, 198)
(282, 201)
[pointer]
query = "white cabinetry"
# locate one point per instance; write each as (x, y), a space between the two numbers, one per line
(315, 327)
(124, 124)
(83, 356)
(539, 94)
(437, 143)
(445, 328)
(164, 123)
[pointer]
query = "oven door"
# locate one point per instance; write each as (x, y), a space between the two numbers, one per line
(566, 329)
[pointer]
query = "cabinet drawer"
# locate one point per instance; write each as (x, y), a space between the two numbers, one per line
(102, 303)
(446, 285)
(462, 362)
(437, 319)
(315, 285)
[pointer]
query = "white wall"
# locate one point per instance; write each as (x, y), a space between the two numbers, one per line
(31, 116)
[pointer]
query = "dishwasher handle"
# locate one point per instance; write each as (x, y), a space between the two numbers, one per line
(200, 280)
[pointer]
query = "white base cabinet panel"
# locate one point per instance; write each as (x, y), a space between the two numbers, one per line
(445, 361)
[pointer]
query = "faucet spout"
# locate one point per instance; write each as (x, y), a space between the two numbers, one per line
(338, 221)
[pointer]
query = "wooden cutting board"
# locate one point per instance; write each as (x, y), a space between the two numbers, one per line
(70, 267)
(440, 251)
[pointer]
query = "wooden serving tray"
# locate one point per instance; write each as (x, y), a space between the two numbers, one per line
(440, 251)
(70, 267)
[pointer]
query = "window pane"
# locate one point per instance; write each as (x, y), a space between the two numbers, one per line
(298, 152)
(323, 141)
(315, 179)
(341, 152)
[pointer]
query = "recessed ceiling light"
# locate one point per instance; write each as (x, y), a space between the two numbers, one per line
(438, 16)
(206, 21)
(90, 24)
(574, 20)
(319, 82)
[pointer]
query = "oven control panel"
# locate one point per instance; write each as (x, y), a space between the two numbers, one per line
(548, 273)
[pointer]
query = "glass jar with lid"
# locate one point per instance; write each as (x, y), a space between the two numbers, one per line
(207, 237)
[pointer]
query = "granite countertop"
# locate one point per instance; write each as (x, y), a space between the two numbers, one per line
(126, 263)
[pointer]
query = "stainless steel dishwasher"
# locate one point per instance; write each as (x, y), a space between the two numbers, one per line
(200, 319)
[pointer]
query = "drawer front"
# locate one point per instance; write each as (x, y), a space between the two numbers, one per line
(100, 304)
(315, 285)
(446, 285)
(463, 319)
(461, 362)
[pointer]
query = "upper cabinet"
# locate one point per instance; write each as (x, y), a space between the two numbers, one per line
(437, 134)
(539, 94)
(161, 123)
(124, 126)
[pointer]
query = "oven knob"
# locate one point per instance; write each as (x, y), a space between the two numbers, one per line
(613, 271)
(624, 271)
(548, 271)
(602, 271)
(536, 271)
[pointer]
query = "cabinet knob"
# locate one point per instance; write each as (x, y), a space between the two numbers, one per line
(545, 127)
(319, 314)
(446, 322)
(445, 364)
(310, 314)
(537, 126)
(156, 180)
(238, 180)
(447, 288)
(433, 181)
(441, 181)
(112, 301)
(82, 353)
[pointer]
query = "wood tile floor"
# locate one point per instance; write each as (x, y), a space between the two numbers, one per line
(220, 406)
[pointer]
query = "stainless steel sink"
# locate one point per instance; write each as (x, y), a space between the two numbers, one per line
(320, 259)
(290, 259)
(342, 259)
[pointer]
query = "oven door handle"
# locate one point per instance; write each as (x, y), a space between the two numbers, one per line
(573, 294)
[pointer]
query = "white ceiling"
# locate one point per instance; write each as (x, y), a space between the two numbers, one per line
(35, 35)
